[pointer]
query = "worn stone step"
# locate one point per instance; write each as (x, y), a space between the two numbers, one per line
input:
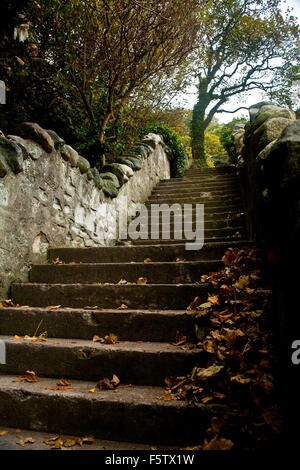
(188, 199)
(199, 191)
(10, 441)
(136, 413)
(199, 178)
(239, 236)
(209, 236)
(121, 254)
(210, 225)
(178, 235)
(150, 296)
(209, 209)
(140, 363)
(217, 170)
(128, 325)
(186, 185)
(223, 204)
(191, 211)
(192, 189)
(156, 273)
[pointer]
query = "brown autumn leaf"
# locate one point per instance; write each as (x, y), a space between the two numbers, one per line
(122, 307)
(98, 339)
(179, 339)
(209, 372)
(27, 440)
(228, 257)
(53, 307)
(111, 339)
(63, 383)
(3, 433)
(213, 299)
(147, 260)
(70, 443)
(142, 280)
(218, 443)
(30, 376)
(106, 384)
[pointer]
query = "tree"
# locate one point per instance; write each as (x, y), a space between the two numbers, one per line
(286, 82)
(243, 45)
(100, 52)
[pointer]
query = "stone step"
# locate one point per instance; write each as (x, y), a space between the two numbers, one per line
(217, 170)
(194, 192)
(137, 413)
(194, 188)
(10, 441)
(208, 214)
(172, 185)
(209, 225)
(164, 236)
(189, 199)
(128, 325)
(150, 296)
(123, 254)
(223, 204)
(239, 236)
(156, 273)
(209, 209)
(199, 178)
(140, 363)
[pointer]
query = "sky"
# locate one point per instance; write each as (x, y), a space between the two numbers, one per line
(254, 96)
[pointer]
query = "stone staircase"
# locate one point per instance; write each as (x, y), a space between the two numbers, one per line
(144, 355)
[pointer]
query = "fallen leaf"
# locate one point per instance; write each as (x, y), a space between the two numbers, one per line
(3, 433)
(106, 384)
(228, 258)
(16, 337)
(70, 443)
(63, 383)
(30, 376)
(92, 390)
(213, 299)
(122, 307)
(142, 280)
(122, 281)
(179, 339)
(218, 443)
(27, 440)
(147, 260)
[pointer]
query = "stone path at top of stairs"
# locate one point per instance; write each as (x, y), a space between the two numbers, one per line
(144, 355)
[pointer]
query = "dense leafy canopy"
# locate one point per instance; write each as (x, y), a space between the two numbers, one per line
(98, 71)
(244, 45)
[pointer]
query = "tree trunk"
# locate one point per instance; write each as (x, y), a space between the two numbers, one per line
(198, 129)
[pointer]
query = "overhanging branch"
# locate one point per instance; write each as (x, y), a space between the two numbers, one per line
(235, 111)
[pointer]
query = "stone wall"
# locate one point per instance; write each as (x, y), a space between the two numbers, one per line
(49, 196)
(269, 166)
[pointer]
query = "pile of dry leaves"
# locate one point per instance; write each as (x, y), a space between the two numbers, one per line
(238, 358)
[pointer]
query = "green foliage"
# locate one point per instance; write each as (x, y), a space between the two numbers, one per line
(226, 137)
(174, 148)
